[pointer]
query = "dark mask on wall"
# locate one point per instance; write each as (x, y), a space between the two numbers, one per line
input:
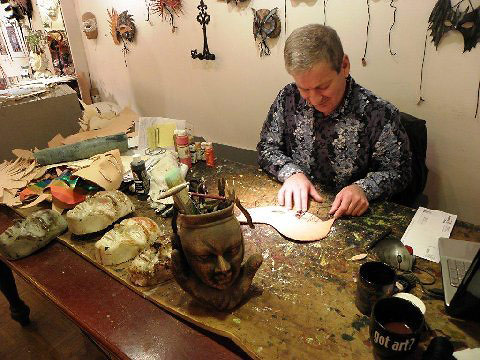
(445, 17)
(17, 9)
(266, 24)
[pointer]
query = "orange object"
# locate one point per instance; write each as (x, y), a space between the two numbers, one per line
(209, 156)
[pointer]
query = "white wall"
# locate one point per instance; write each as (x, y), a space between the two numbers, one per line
(227, 99)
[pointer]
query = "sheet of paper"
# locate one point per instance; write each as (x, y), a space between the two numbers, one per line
(467, 354)
(160, 135)
(424, 230)
(144, 123)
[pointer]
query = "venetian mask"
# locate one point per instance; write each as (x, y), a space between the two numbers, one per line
(266, 24)
(89, 22)
(122, 26)
(445, 17)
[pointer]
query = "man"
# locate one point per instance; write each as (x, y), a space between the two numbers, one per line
(328, 129)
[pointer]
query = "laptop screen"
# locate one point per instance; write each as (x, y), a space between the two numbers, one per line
(466, 300)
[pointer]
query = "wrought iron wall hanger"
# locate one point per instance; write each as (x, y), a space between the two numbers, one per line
(203, 18)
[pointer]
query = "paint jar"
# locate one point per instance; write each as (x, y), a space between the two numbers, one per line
(202, 145)
(182, 148)
(141, 180)
(175, 134)
(193, 153)
(209, 154)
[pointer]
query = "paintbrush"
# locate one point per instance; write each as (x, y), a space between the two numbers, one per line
(185, 205)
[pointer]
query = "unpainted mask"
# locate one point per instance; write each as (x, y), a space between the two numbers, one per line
(266, 24)
(445, 17)
(89, 22)
(215, 260)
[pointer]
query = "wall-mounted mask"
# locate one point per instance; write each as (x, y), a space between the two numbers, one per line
(445, 17)
(89, 24)
(266, 24)
(122, 27)
(17, 9)
(167, 9)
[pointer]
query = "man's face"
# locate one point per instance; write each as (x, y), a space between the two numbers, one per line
(322, 87)
(216, 261)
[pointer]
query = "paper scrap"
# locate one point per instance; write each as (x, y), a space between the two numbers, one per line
(120, 124)
(424, 230)
(56, 141)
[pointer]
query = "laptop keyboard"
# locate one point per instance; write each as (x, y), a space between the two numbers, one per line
(457, 270)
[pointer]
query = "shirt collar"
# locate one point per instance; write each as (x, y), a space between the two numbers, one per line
(344, 105)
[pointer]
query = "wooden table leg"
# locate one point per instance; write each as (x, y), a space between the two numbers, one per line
(18, 310)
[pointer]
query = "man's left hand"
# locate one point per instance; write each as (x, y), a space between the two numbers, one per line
(351, 200)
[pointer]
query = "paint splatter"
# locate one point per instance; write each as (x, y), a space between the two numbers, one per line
(347, 337)
(361, 322)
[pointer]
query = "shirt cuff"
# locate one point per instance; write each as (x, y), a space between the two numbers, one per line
(369, 187)
(288, 170)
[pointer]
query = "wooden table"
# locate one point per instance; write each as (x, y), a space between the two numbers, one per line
(131, 327)
(124, 324)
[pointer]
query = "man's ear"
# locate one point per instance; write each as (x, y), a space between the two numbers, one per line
(345, 69)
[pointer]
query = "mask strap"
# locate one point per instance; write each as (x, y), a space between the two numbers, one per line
(421, 99)
(364, 61)
(391, 26)
(478, 98)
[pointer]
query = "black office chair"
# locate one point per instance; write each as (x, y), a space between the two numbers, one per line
(417, 134)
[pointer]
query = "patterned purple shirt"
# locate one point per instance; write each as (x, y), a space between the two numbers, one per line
(361, 142)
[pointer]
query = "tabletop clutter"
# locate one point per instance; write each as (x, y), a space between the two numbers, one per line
(86, 177)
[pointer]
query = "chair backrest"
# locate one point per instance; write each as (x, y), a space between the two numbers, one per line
(417, 134)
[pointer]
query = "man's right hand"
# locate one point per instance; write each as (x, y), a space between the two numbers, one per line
(296, 191)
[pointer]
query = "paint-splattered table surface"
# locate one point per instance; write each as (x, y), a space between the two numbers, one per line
(302, 303)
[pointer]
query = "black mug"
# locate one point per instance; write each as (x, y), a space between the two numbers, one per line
(375, 281)
(395, 327)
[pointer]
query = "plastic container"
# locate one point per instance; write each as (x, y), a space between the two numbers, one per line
(209, 154)
(140, 177)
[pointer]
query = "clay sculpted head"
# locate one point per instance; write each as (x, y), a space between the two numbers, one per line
(216, 259)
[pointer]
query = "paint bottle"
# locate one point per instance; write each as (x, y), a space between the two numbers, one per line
(202, 146)
(183, 149)
(198, 150)
(209, 155)
(141, 180)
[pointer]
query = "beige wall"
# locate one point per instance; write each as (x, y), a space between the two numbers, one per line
(227, 99)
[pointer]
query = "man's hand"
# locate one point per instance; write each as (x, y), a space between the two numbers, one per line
(295, 192)
(351, 200)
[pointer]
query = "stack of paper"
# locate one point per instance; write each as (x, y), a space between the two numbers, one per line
(424, 230)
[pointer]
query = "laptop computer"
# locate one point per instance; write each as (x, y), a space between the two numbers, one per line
(460, 261)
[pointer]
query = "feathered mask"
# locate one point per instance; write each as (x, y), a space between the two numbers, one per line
(445, 17)
(266, 24)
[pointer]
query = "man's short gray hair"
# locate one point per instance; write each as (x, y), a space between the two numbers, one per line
(311, 44)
